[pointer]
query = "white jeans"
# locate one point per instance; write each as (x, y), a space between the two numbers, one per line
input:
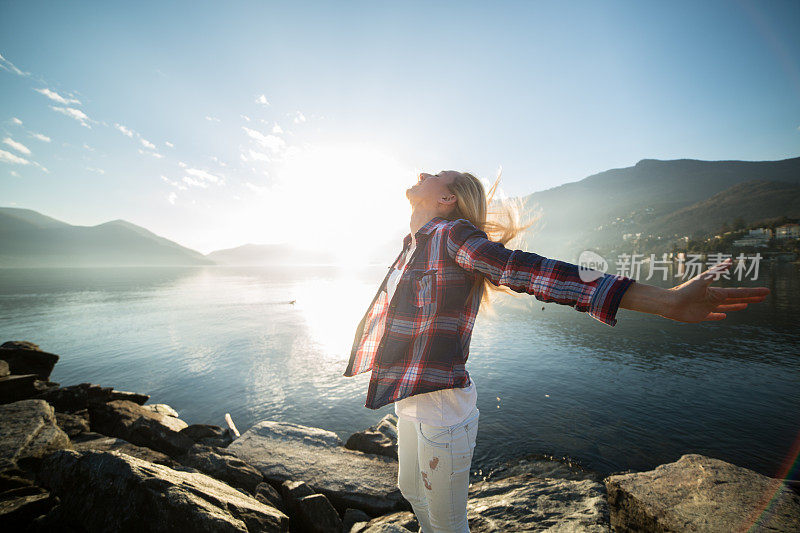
(433, 474)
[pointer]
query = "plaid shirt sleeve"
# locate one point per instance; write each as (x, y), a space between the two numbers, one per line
(549, 280)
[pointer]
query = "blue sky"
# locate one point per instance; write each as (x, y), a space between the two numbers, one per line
(217, 124)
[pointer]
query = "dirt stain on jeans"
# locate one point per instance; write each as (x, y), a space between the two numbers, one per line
(425, 480)
(434, 463)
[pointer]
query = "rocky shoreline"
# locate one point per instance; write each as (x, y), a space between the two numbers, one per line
(87, 458)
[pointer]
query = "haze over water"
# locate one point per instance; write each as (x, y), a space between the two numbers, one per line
(211, 340)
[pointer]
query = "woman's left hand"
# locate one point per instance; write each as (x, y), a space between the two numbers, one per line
(697, 301)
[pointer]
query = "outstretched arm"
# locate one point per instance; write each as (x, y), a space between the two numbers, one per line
(549, 280)
(695, 300)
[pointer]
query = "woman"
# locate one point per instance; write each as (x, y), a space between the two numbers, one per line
(416, 333)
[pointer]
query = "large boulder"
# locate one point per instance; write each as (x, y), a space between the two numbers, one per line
(143, 427)
(526, 502)
(28, 432)
(25, 357)
(103, 443)
(208, 434)
(112, 491)
(698, 493)
(223, 465)
(380, 439)
(285, 451)
(77, 397)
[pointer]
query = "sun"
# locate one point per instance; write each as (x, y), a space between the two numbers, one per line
(340, 198)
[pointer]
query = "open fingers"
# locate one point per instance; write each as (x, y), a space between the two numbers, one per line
(744, 292)
(715, 316)
(730, 307)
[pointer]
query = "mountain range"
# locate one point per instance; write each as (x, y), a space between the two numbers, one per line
(670, 199)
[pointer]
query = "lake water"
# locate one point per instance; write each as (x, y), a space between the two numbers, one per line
(211, 340)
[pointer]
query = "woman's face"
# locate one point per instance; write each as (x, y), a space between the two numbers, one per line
(431, 191)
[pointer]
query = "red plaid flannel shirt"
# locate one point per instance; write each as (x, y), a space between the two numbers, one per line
(419, 342)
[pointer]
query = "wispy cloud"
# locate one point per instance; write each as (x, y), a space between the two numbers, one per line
(39, 136)
(16, 121)
(5, 64)
(194, 183)
(147, 144)
(88, 147)
(258, 156)
(52, 95)
(245, 117)
(154, 154)
(71, 112)
(18, 146)
(203, 175)
(269, 141)
(277, 129)
(262, 99)
(98, 170)
(169, 144)
(124, 130)
(299, 117)
(212, 119)
(182, 164)
(172, 197)
(8, 157)
(178, 185)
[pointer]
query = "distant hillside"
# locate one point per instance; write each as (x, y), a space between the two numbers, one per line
(30, 239)
(659, 197)
(752, 200)
(268, 254)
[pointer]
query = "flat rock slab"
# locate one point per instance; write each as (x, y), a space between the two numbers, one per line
(526, 502)
(112, 491)
(284, 451)
(28, 431)
(699, 493)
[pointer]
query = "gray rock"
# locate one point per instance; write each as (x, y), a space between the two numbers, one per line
(77, 397)
(133, 423)
(294, 490)
(384, 528)
(28, 432)
(103, 443)
(111, 491)
(162, 408)
(281, 451)
(526, 502)
(226, 467)
(17, 387)
(73, 424)
(135, 397)
(208, 434)
(317, 515)
(266, 493)
(379, 439)
(21, 506)
(405, 519)
(24, 357)
(698, 493)
(352, 517)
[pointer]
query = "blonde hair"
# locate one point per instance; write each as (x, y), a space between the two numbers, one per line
(500, 219)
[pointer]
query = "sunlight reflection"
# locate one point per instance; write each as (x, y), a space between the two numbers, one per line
(332, 310)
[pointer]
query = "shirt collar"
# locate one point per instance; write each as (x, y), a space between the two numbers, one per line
(425, 230)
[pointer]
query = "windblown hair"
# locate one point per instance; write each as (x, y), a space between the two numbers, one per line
(500, 219)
